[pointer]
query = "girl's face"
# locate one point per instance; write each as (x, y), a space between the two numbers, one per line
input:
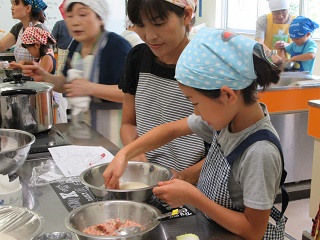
(19, 11)
(34, 50)
(218, 113)
(83, 23)
(166, 38)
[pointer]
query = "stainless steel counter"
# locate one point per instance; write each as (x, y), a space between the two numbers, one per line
(44, 200)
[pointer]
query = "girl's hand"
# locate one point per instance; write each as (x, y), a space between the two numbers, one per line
(114, 171)
(78, 87)
(175, 192)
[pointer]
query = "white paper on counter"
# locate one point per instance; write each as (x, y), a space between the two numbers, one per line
(73, 160)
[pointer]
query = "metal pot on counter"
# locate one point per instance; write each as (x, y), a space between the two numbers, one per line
(26, 105)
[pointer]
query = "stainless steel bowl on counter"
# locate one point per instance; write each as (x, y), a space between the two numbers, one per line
(14, 149)
(99, 212)
(142, 172)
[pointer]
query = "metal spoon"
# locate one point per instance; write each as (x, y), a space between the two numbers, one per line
(136, 229)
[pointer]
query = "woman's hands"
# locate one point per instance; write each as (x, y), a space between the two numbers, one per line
(78, 87)
(36, 72)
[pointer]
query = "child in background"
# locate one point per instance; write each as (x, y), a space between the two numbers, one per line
(303, 49)
(219, 72)
(38, 42)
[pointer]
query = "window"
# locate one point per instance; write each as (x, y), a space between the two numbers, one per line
(241, 15)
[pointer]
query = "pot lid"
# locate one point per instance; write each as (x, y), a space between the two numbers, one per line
(28, 85)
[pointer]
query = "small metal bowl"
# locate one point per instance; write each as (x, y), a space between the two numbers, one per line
(14, 149)
(144, 172)
(98, 212)
(19, 223)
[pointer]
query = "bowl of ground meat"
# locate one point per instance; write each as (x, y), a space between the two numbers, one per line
(101, 220)
(136, 183)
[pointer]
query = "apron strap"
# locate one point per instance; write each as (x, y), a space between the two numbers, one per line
(263, 135)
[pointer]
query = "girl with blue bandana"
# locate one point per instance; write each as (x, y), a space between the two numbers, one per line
(30, 13)
(219, 72)
(303, 49)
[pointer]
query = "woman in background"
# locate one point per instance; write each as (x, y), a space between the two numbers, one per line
(30, 13)
(273, 29)
(95, 61)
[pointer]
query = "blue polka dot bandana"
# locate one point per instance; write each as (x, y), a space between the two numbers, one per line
(37, 5)
(216, 58)
(300, 26)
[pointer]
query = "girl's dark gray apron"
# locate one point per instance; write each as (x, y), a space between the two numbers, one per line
(214, 176)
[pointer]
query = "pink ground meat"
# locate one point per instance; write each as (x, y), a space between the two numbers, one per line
(109, 227)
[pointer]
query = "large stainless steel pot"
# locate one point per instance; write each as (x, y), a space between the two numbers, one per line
(26, 106)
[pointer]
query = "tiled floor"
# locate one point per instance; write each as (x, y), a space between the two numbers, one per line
(298, 218)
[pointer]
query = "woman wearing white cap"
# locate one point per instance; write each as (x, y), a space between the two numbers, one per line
(96, 58)
(273, 29)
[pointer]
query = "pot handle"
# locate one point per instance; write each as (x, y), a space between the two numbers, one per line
(18, 91)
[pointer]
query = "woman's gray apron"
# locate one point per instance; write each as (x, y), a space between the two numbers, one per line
(159, 100)
(214, 176)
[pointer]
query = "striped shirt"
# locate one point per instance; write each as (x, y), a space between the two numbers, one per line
(159, 100)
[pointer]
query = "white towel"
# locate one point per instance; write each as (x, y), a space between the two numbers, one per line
(78, 104)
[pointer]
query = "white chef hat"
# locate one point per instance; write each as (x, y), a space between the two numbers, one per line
(100, 7)
(276, 5)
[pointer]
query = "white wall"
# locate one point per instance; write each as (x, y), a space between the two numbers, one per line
(211, 15)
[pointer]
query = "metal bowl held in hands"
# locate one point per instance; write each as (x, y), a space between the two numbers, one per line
(99, 212)
(14, 149)
(142, 172)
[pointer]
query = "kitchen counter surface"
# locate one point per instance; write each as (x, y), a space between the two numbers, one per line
(45, 201)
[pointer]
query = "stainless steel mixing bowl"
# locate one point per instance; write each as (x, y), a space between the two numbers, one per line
(98, 212)
(144, 172)
(14, 149)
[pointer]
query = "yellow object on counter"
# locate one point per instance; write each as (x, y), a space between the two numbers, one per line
(188, 236)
